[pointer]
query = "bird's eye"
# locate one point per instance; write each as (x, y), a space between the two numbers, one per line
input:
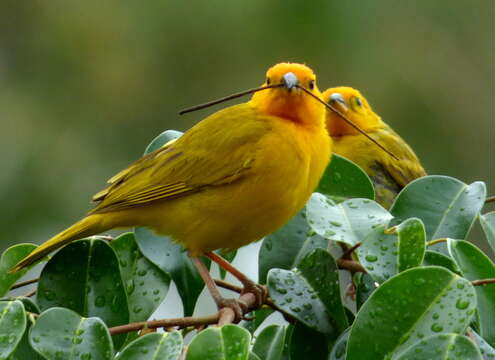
(358, 101)
(268, 81)
(311, 85)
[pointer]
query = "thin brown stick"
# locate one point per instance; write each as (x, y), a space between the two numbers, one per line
(482, 282)
(31, 293)
(338, 112)
(227, 98)
(24, 283)
(490, 199)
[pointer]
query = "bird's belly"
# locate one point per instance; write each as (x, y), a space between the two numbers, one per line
(230, 216)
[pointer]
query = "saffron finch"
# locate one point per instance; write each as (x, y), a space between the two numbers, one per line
(389, 175)
(233, 178)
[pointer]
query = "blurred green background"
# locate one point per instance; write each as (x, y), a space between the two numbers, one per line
(85, 85)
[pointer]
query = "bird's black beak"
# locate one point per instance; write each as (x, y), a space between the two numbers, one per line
(338, 100)
(290, 81)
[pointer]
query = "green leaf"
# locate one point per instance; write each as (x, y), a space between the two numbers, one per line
(488, 224)
(306, 343)
(24, 350)
(439, 259)
(442, 346)
(286, 247)
(414, 304)
(339, 348)
(85, 277)
(155, 346)
(385, 255)
(230, 342)
(259, 316)
(12, 326)
(475, 265)
(269, 343)
(146, 285)
(62, 334)
(311, 293)
(9, 258)
(447, 206)
(343, 179)
(348, 222)
(487, 352)
(162, 139)
(173, 259)
(253, 356)
(365, 285)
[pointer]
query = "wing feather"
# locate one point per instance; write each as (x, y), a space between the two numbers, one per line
(204, 156)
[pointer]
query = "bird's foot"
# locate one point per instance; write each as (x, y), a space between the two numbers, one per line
(239, 307)
(260, 292)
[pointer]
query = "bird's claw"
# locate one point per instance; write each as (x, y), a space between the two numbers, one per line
(260, 293)
(239, 307)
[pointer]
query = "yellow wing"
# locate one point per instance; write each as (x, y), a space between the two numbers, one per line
(408, 167)
(204, 156)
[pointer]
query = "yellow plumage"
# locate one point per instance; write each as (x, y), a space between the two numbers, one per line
(389, 175)
(233, 178)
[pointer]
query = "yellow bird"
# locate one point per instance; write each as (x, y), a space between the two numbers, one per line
(233, 178)
(389, 175)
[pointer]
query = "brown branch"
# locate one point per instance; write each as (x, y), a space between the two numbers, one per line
(224, 316)
(29, 294)
(436, 241)
(351, 265)
(24, 283)
(347, 254)
(490, 199)
(268, 300)
(482, 282)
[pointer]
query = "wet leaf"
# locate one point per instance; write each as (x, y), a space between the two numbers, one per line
(339, 348)
(385, 255)
(475, 265)
(488, 224)
(395, 317)
(447, 206)
(162, 346)
(12, 326)
(442, 346)
(146, 285)
(343, 179)
(349, 222)
(311, 293)
(62, 334)
(306, 343)
(286, 247)
(172, 259)
(9, 258)
(84, 276)
(230, 342)
(439, 259)
(269, 343)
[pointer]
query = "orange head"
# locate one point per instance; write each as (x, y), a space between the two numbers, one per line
(352, 105)
(288, 101)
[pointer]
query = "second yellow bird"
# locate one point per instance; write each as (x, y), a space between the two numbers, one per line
(389, 175)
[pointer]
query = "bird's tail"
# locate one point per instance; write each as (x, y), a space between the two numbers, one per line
(88, 226)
